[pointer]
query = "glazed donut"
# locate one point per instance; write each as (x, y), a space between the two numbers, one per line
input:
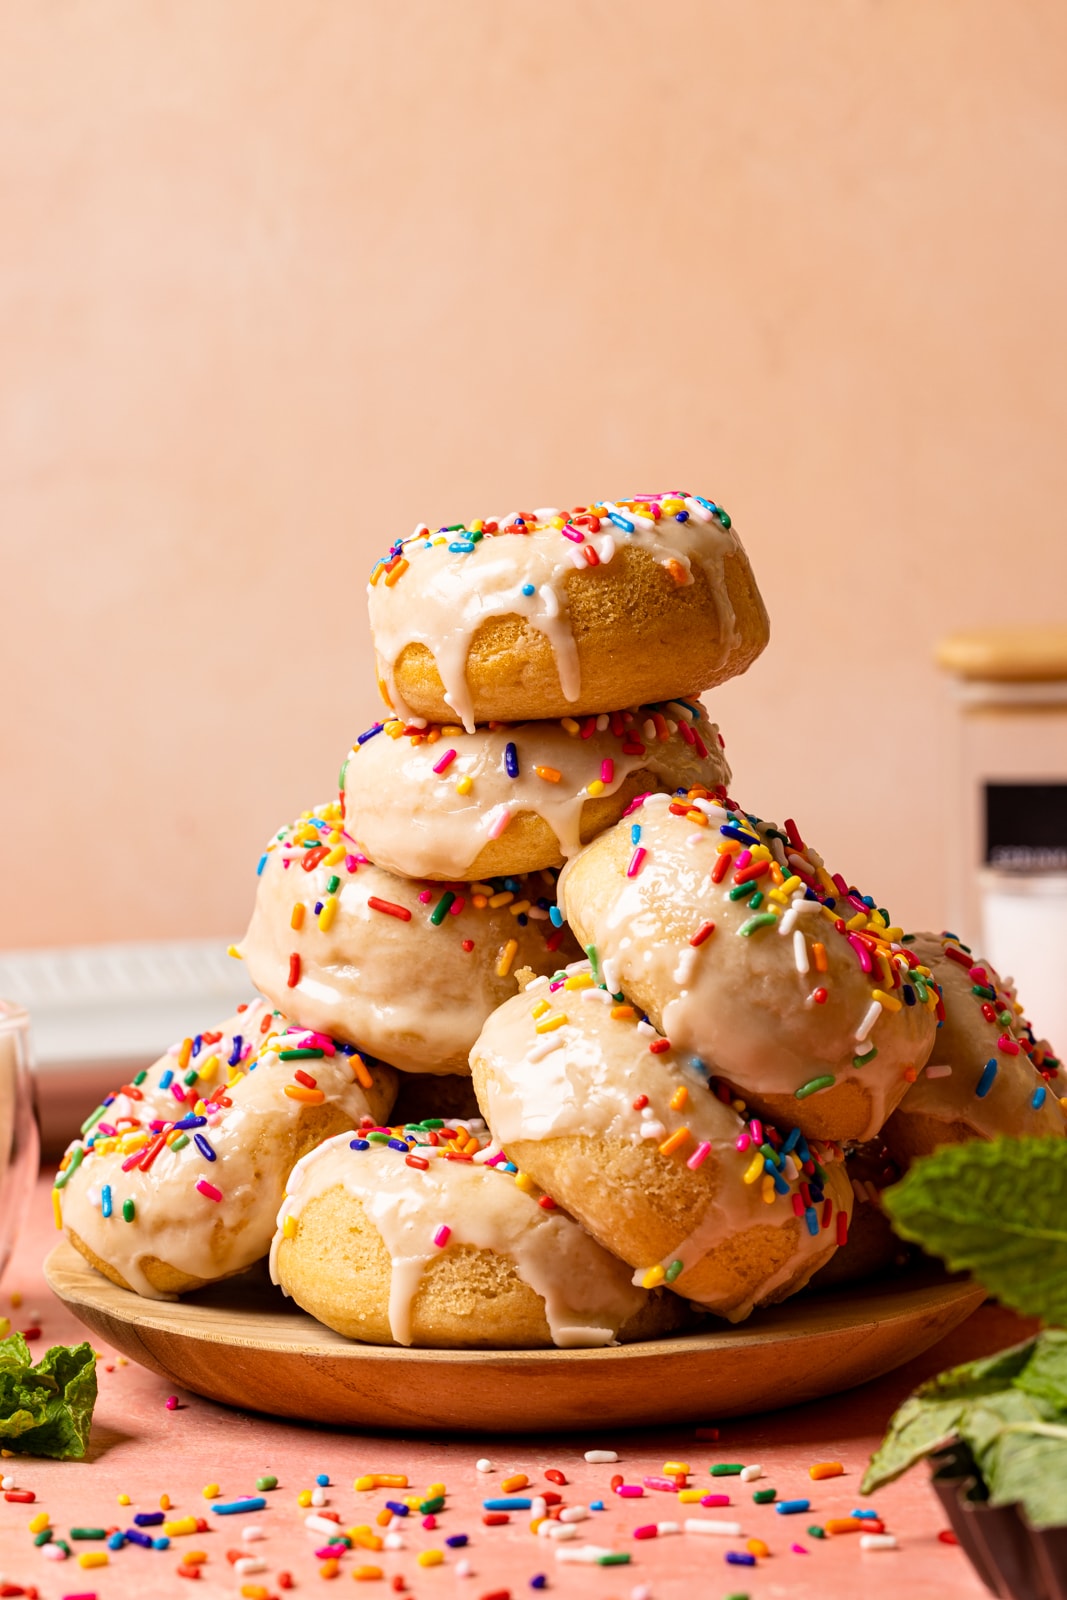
(872, 1247)
(549, 614)
(511, 799)
(171, 1195)
(392, 1248)
(741, 948)
(405, 970)
(624, 1132)
(986, 1075)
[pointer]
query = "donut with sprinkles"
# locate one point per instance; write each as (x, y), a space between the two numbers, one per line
(746, 952)
(423, 1238)
(513, 798)
(405, 969)
(177, 1177)
(551, 613)
(987, 1075)
(666, 1168)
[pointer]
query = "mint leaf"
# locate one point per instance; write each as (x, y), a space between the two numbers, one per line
(998, 1210)
(47, 1409)
(1028, 1469)
(1010, 1410)
(988, 1375)
(1021, 1453)
(916, 1429)
(934, 1415)
(1045, 1374)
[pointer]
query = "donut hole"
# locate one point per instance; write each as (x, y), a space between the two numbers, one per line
(872, 1247)
(590, 889)
(731, 1274)
(509, 663)
(231, 1236)
(338, 1269)
(425, 1094)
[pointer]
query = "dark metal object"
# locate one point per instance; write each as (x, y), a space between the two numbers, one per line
(1013, 1560)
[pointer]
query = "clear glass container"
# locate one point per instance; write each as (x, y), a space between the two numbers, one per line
(1008, 823)
(19, 1148)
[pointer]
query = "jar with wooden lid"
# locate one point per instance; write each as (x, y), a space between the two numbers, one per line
(1009, 810)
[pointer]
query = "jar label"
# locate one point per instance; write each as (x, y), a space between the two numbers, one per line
(1026, 826)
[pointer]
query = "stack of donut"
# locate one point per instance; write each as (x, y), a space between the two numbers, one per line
(486, 1103)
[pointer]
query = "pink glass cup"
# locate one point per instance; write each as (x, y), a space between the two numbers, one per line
(19, 1145)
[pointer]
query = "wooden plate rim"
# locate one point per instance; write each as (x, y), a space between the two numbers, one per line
(837, 1311)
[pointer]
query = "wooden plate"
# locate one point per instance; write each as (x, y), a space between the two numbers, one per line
(243, 1343)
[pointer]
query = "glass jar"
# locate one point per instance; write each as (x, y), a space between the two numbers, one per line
(1008, 824)
(19, 1150)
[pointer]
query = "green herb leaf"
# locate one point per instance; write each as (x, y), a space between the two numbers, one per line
(1021, 1452)
(998, 1210)
(1045, 1374)
(917, 1429)
(1010, 1410)
(934, 1415)
(14, 1353)
(47, 1409)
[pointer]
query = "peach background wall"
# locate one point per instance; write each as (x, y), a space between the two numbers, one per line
(278, 280)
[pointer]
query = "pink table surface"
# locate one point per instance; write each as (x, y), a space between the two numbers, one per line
(141, 1449)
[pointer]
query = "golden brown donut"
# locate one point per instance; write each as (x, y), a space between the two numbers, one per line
(449, 1255)
(986, 1075)
(625, 1133)
(170, 1196)
(435, 802)
(549, 614)
(406, 970)
(732, 936)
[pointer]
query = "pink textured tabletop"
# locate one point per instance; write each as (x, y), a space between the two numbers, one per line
(143, 1450)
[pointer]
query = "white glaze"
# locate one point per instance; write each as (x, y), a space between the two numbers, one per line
(252, 1140)
(413, 820)
(586, 1085)
(456, 593)
(743, 1003)
(406, 991)
(586, 1292)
